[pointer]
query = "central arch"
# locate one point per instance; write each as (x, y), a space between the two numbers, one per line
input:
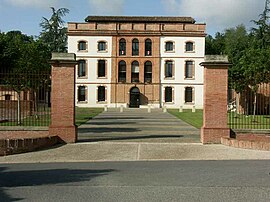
(134, 101)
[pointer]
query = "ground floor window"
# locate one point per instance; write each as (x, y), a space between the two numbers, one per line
(189, 94)
(81, 93)
(168, 94)
(101, 94)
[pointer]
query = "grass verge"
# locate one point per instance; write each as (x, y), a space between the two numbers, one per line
(84, 114)
(193, 118)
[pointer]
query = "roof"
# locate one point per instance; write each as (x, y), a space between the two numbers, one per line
(149, 19)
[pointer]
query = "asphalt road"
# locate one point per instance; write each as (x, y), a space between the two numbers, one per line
(137, 181)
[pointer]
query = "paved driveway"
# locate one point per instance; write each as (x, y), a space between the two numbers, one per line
(137, 125)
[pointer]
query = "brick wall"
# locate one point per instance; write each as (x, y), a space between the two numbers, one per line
(15, 146)
(215, 100)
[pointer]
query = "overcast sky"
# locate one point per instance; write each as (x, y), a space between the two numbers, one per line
(25, 15)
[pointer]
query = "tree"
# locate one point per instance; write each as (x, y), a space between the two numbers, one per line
(262, 32)
(53, 31)
(27, 59)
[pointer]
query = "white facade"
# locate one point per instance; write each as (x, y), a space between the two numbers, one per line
(178, 81)
(91, 56)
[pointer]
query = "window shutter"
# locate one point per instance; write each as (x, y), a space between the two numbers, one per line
(193, 94)
(172, 94)
(105, 93)
(173, 68)
(193, 69)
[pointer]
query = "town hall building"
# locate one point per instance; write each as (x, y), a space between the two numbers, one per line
(138, 62)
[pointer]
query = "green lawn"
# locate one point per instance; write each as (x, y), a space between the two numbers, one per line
(239, 121)
(82, 115)
(193, 118)
(85, 114)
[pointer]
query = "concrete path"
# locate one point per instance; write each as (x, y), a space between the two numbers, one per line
(137, 125)
(136, 135)
(112, 151)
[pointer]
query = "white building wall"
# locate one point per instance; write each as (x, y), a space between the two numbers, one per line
(91, 56)
(178, 81)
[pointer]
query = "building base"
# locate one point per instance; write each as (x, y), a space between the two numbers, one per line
(214, 135)
(66, 134)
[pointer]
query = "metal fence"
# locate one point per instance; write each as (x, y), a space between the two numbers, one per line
(250, 109)
(24, 98)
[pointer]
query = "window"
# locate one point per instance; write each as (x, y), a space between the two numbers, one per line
(169, 46)
(189, 70)
(135, 47)
(188, 94)
(168, 94)
(82, 45)
(135, 69)
(148, 72)
(148, 47)
(189, 46)
(102, 46)
(7, 97)
(122, 47)
(122, 71)
(101, 68)
(81, 94)
(169, 69)
(82, 68)
(101, 94)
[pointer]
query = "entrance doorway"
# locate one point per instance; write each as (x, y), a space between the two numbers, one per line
(134, 98)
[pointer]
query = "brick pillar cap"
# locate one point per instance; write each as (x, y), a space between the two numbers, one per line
(63, 58)
(215, 60)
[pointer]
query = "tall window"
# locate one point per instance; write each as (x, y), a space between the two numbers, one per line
(169, 46)
(188, 94)
(169, 69)
(168, 94)
(135, 71)
(7, 97)
(122, 47)
(101, 68)
(189, 69)
(189, 46)
(81, 94)
(82, 68)
(135, 47)
(148, 47)
(122, 71)
(102, 46)
(148, 72)
(81, 45)
(101, 94)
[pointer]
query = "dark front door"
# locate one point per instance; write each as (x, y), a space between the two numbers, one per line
(134, 98)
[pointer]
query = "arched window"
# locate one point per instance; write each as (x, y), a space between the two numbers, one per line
(169, 46)
(122, 47)
(101, 94)
(102, 46)
(122, 71)
(148, 72)
(169, 69)
(82, 68)
(82, 45)
(148, 47)
(135, 47)
(189, 46)
(135, 71)
(168, 94)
